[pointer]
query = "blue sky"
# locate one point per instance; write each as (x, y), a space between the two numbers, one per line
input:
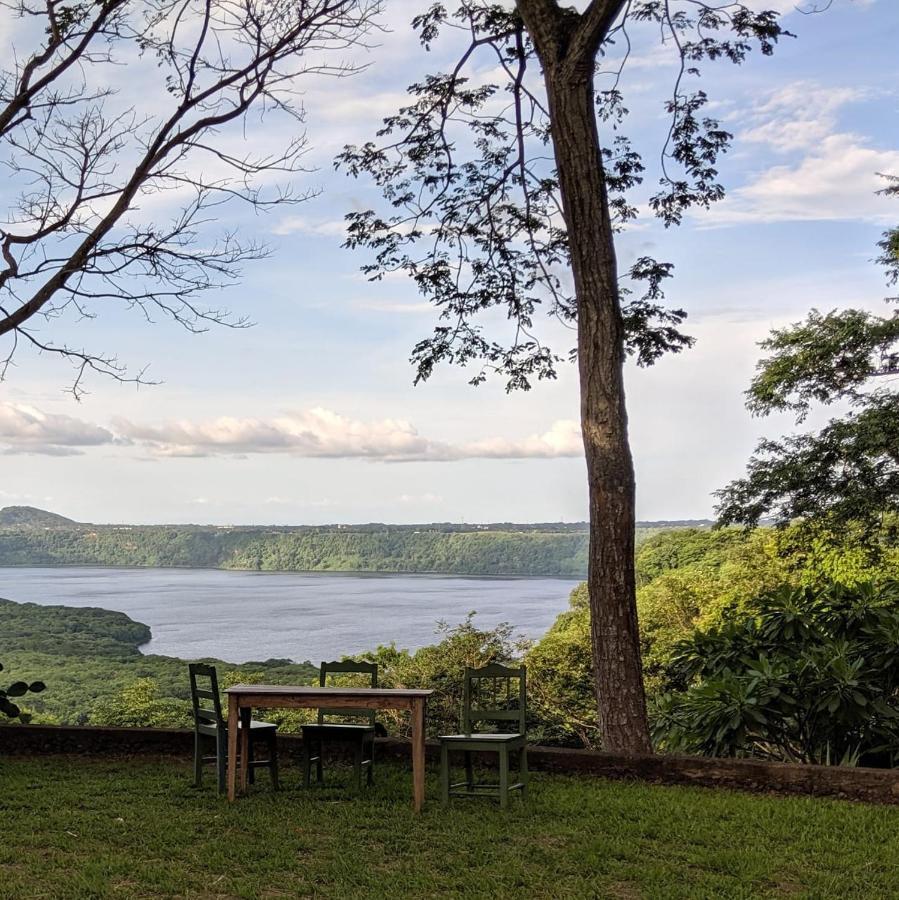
(310, 416)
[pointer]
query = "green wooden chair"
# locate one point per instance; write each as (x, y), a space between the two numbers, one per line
(360, 736)
(209, 722)
(488, 696)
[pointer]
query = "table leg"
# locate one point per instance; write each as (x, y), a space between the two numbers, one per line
(418, 753)
(245, 716)
(233, 715)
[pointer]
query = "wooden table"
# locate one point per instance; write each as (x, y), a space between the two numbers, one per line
(243, 697)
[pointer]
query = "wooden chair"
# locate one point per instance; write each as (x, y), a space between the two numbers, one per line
(360, 736)
(209, 721)
(488, 696)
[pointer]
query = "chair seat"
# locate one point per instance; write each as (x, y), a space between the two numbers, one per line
(338, 732)
(259, 728)
(486, 737)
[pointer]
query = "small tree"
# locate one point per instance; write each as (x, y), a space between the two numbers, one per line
(83, 161)
(18, 689)
(846, 474)
(441, 666)
(505, 199)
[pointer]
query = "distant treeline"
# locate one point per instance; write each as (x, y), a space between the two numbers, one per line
(520, 550)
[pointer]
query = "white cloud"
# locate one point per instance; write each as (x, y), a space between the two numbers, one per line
(829, 175)
(562, 439)
(395, 306)
(25, 429)
(303, 225)
(838, 180)
(322, 433)
(421, 498)
(797, 115)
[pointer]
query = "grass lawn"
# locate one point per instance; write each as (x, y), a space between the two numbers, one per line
(78, 828)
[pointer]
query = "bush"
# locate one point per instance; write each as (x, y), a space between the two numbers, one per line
(800, 674)
(441, 667)
(561, 694)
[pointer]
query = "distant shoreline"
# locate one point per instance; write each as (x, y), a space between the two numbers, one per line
(367, 573)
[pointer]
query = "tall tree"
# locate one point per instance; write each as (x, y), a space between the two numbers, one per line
(506, 195)
(81, 159)
(847, 473)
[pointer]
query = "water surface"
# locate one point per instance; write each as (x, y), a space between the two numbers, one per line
(241, 616)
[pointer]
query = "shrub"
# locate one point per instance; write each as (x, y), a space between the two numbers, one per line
(441, 667)
(804, 674)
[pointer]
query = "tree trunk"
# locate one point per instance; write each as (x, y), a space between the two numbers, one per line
(610, 474)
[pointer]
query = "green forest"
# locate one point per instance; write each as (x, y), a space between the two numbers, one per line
(496, 550)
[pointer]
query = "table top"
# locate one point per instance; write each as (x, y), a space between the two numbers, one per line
(292, 690)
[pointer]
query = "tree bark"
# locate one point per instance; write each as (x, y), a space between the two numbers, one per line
(611, 582)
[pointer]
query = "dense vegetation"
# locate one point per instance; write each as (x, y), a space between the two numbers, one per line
(695, 579)
(391, 549)
(800, 674)
(502, 548)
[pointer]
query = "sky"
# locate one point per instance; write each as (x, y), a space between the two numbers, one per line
(311, 416)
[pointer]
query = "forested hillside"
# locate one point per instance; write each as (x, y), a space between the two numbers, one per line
(390, 549)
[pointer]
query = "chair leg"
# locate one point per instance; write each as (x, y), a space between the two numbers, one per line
(319, 765)
(307, 762)
(444, 774)
(504, 777)
(469, 771)
(273, 761)
(251, 755)
(221, 760)
(198, 760)
(523, 772)
(370, 778)
(357, 766)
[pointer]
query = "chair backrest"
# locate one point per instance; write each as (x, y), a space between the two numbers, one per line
(203, 694)
(348, 667)
(489, 695)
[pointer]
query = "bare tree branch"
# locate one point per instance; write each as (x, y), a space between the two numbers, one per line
(83, 163)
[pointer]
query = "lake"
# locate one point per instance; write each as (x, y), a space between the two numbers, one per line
(242, 616)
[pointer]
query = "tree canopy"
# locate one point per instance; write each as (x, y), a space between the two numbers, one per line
(848, 471)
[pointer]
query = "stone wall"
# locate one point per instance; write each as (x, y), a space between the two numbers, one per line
(870, 785)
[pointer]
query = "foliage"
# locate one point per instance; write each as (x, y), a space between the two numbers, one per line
(846, 473)
(139, 705)
(501, 202)
(17, 689)
(467, 172)
(440, 667)
(801, 674)
(561, 691)
(380, 549)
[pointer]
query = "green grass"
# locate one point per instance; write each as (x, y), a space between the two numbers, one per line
(78, 828)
